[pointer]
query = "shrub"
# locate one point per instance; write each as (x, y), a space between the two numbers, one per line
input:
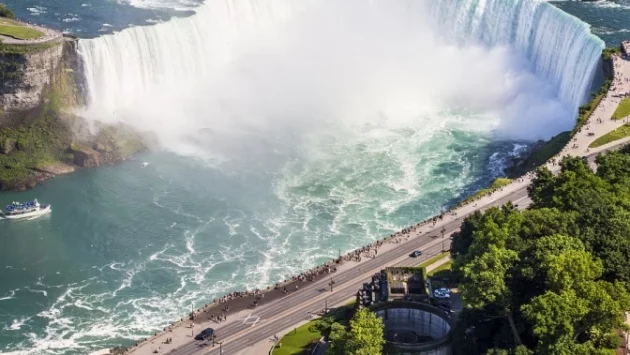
(5, 12)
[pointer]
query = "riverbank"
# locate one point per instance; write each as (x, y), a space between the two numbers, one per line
(542, 151)
(576, 147)
(40, 89)
(49, 140)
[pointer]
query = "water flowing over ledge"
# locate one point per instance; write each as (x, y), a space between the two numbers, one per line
(561, 47)
(126, 66)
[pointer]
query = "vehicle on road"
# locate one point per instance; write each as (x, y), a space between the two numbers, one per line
(205, 334)
(415, 253)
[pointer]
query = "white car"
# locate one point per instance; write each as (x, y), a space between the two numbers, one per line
(442, 293)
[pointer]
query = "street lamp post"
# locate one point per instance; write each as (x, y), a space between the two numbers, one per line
(443, 231)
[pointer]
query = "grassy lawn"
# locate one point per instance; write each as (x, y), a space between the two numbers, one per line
(623, 109)
(621, 132)
(299, 340)
(446, 266)
(434, 259)
(18, 30)
(496, 184)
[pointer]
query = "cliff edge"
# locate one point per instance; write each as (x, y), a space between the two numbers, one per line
(40, 136)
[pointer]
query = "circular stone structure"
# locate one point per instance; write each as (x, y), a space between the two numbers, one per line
(415, 328)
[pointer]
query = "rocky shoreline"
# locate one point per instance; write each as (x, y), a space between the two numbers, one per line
(40, 136)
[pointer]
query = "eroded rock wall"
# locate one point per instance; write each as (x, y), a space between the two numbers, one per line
(23, 79)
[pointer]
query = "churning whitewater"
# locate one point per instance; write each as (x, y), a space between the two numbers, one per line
(292, 130)
(131, 69)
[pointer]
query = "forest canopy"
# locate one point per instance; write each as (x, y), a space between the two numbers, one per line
(552, 279)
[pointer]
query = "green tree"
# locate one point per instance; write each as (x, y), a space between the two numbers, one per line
(484, 283)
(6, 12)
(553, 318)
(366, 335)
(338, 338)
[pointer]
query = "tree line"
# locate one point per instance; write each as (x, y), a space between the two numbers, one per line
(552, 279)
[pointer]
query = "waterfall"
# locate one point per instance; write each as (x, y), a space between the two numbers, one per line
(560, 47)
(127, 66)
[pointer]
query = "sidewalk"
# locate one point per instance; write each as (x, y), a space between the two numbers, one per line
(182, 334)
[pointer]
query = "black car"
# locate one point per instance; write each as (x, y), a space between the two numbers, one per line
(205, 334)
(415, 254)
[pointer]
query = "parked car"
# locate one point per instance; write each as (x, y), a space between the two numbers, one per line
(441, 293)
(415, 254)
(205, 334)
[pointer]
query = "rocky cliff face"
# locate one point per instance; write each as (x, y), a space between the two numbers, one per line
(40, 136)
(23, 79)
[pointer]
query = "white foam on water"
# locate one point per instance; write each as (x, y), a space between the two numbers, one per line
(377, 148)
(37, 10)
(10, 296)
(606, 4)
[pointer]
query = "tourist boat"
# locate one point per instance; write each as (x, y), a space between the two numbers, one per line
(18, 210)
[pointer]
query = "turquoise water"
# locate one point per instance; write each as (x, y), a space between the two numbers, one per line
(129, 248)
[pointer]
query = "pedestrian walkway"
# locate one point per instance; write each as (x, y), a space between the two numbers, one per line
(599, 123)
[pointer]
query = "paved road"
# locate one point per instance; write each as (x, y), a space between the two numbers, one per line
(275, 317)
(280, 315)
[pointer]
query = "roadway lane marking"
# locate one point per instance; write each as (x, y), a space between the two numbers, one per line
(253, 322)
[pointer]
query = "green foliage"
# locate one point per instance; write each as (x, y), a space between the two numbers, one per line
(297, 341)
(5, 12)
(519, 350)
(365, 337)
(441, 271)
(585, 111)
(18, 30)
(541, 153)
(300, 340)
(497, 184)
(609, 51)
(26, 49)
(11, 69)
(337, 338)
(553, 277)
(432, 260)
(38, 144)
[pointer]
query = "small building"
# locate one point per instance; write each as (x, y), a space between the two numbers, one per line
(414, 328)
(406, 283)
(413, 324)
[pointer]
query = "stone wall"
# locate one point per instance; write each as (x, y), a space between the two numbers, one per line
(419, 319)
(23, 79)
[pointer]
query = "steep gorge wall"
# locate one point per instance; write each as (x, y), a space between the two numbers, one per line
(40, 135)
(23, 79)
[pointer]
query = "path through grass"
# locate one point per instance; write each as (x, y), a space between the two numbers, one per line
(622, 110)
(621, 132)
